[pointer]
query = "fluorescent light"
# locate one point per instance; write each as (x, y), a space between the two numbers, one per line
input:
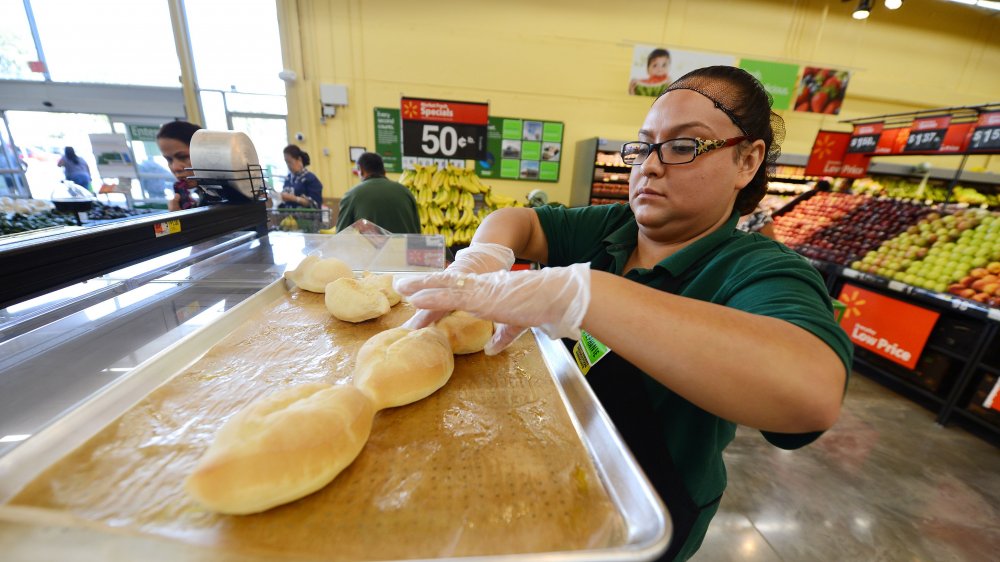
(988, 4)
(969, 2)
(893, 4)
(13, 438)
(860, 14)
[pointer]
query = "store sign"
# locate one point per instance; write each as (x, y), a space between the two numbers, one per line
(143, 133)
(986, 136)
(829, 157)
(891, 328)
(865, 138)
(778, 79)
(992, 401)
(389, 138)
(439, 129)
(956, 138)
(927, 134)
(522, 149)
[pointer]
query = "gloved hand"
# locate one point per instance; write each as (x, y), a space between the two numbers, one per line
(555, 299)
(479, 257)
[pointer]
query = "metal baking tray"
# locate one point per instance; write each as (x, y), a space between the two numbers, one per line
(647, 524)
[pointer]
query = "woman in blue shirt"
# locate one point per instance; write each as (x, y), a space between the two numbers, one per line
(302, 187)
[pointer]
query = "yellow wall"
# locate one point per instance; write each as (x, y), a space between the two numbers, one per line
(568, 60)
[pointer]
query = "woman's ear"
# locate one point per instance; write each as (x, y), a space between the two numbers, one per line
(749, 160)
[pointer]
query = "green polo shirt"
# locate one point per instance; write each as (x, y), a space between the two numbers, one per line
(383, 202)
(748, 272)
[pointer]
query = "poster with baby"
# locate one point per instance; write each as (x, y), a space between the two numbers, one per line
(655, 68)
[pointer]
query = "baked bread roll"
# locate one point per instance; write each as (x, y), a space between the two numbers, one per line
(314, 273)
(466, 333)
(400, 366)
(383, 283)
(282, 447)
(351, 300)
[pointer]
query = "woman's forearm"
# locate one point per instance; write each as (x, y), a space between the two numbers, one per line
(754, 370)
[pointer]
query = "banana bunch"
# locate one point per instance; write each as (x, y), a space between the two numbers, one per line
(451, 201)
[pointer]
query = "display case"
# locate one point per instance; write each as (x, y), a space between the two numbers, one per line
(75, 358)
(599, 177)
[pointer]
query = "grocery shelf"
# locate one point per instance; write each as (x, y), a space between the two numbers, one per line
(946, 351)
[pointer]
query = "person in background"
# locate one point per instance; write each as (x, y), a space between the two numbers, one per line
(759, 221)
(658, 75)
(706, 327)
(174, 140)
(380, 200)
(302, 188)
(76, 168)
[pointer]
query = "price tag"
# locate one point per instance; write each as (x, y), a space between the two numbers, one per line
(851, 273)
(926, 135)
(440, 129)
(865, 138)
(898, 286)
(985, 138)
(993, 314)
(166, 228)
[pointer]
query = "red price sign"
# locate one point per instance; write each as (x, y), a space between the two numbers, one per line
(865, 138)
(887, 140)
(986, 136)
(927, 134)
(891, 328)
(444, 129)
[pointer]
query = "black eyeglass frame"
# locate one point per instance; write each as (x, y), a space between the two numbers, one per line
(701, 147)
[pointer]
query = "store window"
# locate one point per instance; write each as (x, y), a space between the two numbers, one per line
(12, 180)
(235, 45)
(113, 42)
(17, 47)
(43, 137)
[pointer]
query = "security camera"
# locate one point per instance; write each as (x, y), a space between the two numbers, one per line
(300, 137)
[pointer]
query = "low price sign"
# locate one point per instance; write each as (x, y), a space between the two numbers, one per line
(893, 329)
(986, 136)
(442, 129)
(830, 157)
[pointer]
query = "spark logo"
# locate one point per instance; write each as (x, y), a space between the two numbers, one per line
(853, 302)
(410, 109)
(824, 147)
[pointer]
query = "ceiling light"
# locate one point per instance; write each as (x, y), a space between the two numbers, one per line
(893, 4)
(988, 4)
(969, 2)
(863, 10)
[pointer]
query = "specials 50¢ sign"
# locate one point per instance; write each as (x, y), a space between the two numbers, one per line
(891, 328)
(444, 129)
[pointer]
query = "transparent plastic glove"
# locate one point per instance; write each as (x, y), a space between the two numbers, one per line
(479, 257)
(554, 299)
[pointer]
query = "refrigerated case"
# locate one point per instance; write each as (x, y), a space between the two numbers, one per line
(73, 358)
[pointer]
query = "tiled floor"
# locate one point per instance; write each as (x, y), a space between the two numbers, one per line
(886, 483)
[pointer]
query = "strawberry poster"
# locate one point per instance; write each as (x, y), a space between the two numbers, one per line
(821, 90)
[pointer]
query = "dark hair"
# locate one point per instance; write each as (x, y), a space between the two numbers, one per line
(371, 164)
(295, 152)
(743, 98)
(71, 155)
(657, 53)
(178, 130)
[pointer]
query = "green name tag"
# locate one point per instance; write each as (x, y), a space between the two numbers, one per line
(588, 351)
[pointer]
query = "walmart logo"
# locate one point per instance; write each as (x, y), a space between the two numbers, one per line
(854, 303)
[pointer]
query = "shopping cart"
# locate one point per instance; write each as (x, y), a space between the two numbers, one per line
(298, 220)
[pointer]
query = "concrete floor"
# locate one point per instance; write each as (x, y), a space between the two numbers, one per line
(886, 483)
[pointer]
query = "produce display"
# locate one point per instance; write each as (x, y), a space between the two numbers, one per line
(861, 229)
(982, 284)
(936, 251)
(933, 191)
(797, 226)
(446, 201)
(22, 215)
(17, 222)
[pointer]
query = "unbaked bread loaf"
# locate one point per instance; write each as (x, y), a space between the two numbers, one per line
(400, 366)
(466, 333)
(383, 283)
(282, 447)
(314, 273)
(351, 300)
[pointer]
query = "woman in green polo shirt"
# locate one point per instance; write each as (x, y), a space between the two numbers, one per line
(708, 327)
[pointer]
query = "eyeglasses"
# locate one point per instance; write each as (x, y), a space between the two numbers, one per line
(674, 151)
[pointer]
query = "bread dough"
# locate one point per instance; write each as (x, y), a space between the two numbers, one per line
(466, 333)
(400, 366)
(352, 300)
(314, 273)
(383, 283)
(282, 447)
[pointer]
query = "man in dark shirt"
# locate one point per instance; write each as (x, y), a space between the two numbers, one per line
(382, 201)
